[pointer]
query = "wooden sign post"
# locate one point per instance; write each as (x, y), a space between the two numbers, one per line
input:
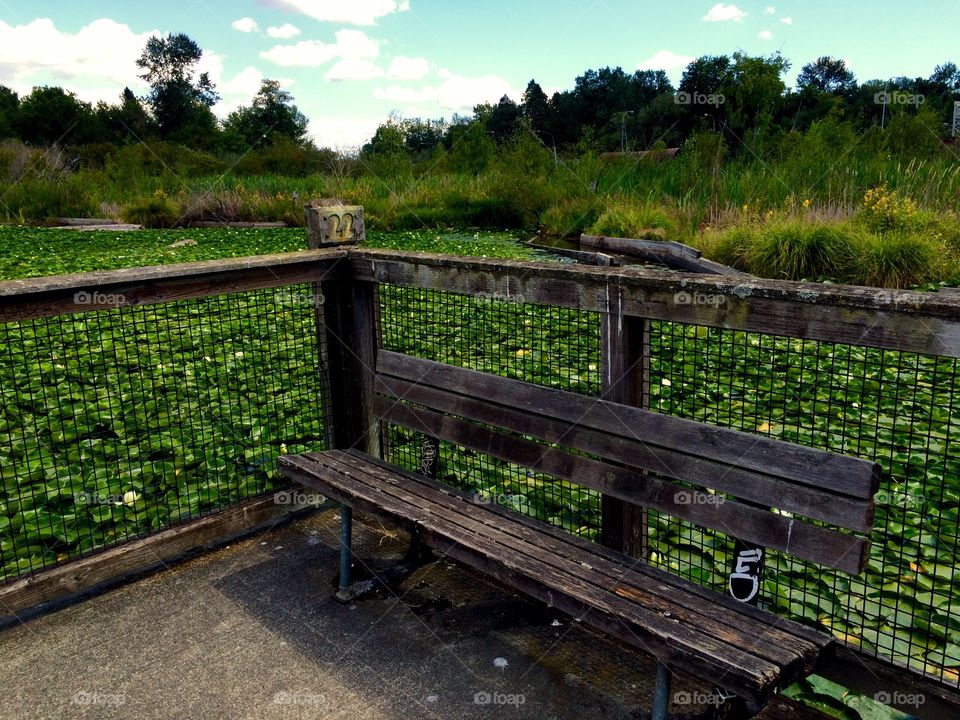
(333, 225)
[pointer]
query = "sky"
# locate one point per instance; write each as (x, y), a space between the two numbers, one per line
(351, 63)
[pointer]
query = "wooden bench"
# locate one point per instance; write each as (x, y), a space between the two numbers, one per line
(636, 456)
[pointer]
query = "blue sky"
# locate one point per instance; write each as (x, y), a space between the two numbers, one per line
(350, 63)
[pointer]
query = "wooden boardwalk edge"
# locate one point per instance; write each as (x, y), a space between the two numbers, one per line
(50, 589)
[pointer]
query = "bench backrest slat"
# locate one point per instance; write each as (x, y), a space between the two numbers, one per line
(448, 402)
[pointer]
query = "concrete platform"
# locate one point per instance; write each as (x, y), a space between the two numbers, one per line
(251, 631)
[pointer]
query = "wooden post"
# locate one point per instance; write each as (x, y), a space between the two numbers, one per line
(351, 346)
(625, 368)
(331, 223)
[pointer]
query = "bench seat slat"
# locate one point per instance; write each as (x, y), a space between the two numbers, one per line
(678, 586)
(749, 485)
(480, 544)
(800, 539)
(768, 640)
(808, 466)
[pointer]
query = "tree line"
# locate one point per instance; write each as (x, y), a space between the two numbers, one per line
(740, 97)
(177, 109)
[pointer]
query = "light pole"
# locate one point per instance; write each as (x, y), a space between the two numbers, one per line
(623, 129)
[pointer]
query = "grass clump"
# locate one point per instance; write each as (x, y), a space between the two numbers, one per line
(158, 212)
(797, 249)
(641, 220)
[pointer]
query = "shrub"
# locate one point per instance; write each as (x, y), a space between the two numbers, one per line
(635, 220)
(796, 249)
(885, 210)
(898, 259)
(155, 212)
(571, 217)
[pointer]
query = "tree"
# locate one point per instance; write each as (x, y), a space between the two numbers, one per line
(947, 76)
(826, 75)
(754, 92)
(272, 117)
(127, 121)
(536, 107)
(180, 101)
(51, 115)
(503, 120)
(9, 107)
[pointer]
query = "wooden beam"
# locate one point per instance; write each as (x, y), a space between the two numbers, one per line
(85, 292)
(904, 320)
(137, 557)
(350, 314)
(872, 677)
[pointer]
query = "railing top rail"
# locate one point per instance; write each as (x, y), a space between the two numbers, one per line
(905, 320)
(82, 292)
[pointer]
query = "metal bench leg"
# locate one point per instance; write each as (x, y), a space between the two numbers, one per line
(661, 693)
(417, 556)
(346, 552)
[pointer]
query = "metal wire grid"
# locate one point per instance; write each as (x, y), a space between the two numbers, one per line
(892, 407)
(119, 423)
(536, 343)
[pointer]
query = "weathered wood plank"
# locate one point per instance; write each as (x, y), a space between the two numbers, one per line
(140, 556)
(85, 292)
(808, 466)
(797, 538)
(672, 254)
(351, 352)
(893, 319)
(748, 485)
(681, 645)
(674, 584)
(765, 640)
(871, 676)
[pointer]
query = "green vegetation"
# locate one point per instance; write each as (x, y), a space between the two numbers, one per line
(831, 180)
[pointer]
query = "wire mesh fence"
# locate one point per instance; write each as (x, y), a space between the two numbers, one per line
(535, 343)
(892, 407)
(118, 423)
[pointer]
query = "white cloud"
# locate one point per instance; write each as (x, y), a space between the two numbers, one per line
(346, 12)
(342, 132)
(245, 25)
(284, 32)
(350, 45)
(765, 35)
(238, 91)
(354, 69)
(101, 54)
(406, 68)
(666, 60)
(787, 21)
(769, 10)
(456, 92)
(724, 13)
